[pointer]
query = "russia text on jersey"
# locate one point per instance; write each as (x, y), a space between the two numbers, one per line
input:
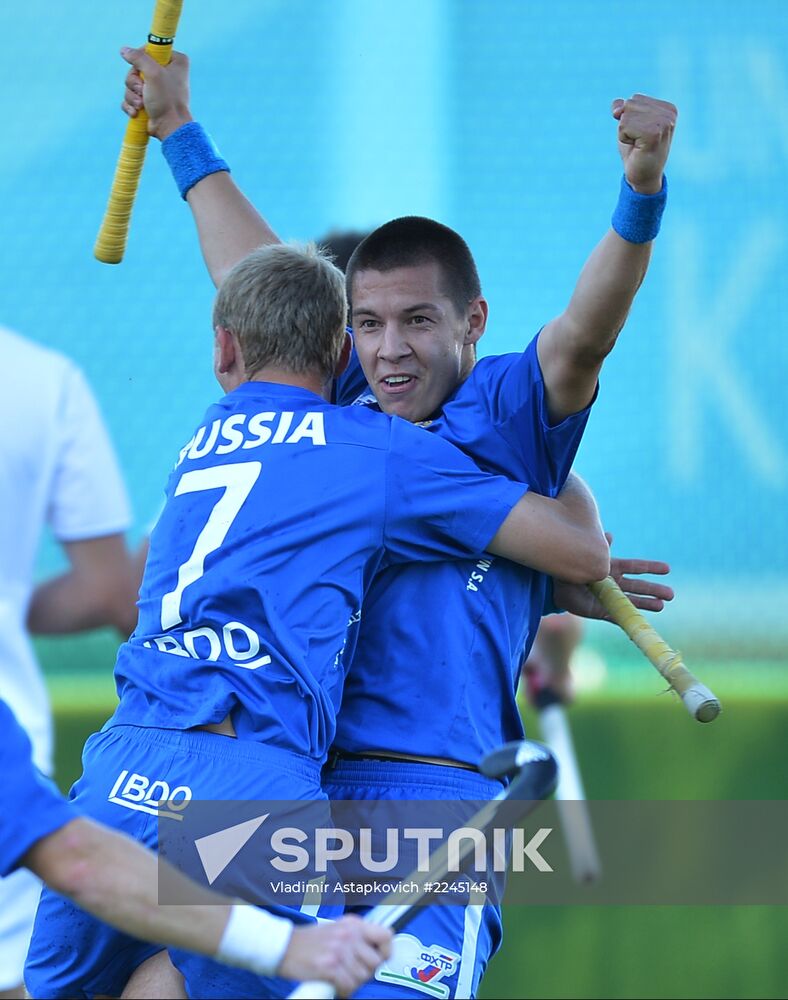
(240, 430)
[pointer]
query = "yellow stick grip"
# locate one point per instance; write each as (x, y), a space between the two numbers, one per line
(698, 699)
(113, 232)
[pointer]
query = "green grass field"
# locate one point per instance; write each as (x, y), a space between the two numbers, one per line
(634, 743)
(641, 749)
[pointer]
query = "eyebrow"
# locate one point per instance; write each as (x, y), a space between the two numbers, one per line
(419, 307)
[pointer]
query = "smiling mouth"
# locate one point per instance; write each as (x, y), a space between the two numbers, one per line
(397, 383)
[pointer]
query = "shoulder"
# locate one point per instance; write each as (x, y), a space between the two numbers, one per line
(355, 429)
(28, 355)
(46, 386)
(498, 366)
(496, 382)
(365, 424)
(419, 446)
(490, 371)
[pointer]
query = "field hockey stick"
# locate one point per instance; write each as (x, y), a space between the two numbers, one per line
(111, 240)
(699, 701)
(569, 794)
(533, 771)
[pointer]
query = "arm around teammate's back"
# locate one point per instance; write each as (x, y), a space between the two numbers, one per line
(562, 537)
(440, 505)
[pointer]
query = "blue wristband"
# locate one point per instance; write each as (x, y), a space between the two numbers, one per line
(191, 155)
(637, 216)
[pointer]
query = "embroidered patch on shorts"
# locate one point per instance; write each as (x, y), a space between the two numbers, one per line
(419, 967)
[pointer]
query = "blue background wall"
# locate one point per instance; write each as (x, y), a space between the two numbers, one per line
(493, 117)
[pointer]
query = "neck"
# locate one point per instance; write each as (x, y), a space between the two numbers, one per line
(302, 380)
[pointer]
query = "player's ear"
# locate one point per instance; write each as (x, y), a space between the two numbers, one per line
(225, 350)
(476, 317)
(344, 357)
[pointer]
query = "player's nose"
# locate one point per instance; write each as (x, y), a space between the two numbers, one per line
(393, 345)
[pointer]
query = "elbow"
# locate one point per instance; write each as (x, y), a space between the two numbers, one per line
(118, 612)
(590, 562)
(593, 355)
(598, 560)
(599, 563)
(125, 616)
(117, 604)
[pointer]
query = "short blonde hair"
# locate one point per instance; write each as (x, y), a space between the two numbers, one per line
(286, 304)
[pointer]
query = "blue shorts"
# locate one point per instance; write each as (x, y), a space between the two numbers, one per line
(445, 949)
(127, 771)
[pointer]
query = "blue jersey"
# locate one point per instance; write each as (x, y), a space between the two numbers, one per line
(30, 805)
(278, 513)
(435, 664)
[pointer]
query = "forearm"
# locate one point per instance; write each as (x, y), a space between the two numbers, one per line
(579, 514)
(603, 297)
(573, 346)
(560, 537)
(124, 890)
(116, 880)
(647, 595)
(62, 605)
(615, 270)
(228, 225)
(100, 589)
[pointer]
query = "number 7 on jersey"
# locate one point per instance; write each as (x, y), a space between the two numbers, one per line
(237, 481)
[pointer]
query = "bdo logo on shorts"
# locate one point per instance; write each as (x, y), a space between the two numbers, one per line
(135, 791)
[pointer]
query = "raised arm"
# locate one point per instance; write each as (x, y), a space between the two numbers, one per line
(573, 346)
(228, 225)
(561, 536)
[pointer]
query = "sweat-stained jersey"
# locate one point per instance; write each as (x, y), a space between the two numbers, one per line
(279, 511)
(433, 670)
(30, 805)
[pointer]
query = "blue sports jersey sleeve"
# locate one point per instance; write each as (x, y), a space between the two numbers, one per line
(507, 393)
(439, 505)
(30, 805)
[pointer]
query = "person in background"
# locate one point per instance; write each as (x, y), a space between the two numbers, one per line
(57, 470)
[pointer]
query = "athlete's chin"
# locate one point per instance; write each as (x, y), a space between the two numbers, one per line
(408, 409)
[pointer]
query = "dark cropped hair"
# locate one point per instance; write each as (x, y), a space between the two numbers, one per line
(413, 240)
(339, 245)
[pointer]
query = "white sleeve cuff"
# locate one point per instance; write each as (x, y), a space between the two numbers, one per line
(254, 940)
